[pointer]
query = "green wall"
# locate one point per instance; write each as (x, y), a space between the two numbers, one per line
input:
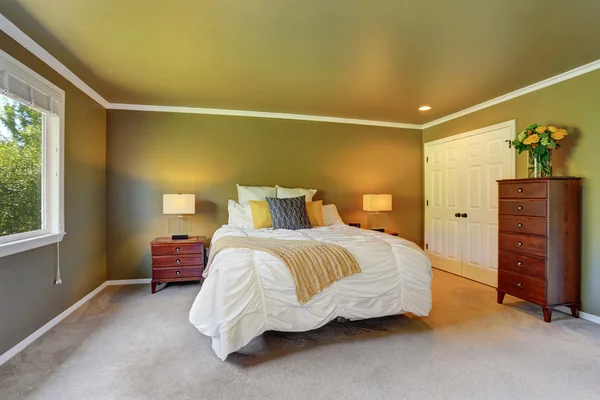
(149, 154)
(571, 104)
(28, 296)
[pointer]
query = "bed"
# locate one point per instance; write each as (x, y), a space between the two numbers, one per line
(247, 292)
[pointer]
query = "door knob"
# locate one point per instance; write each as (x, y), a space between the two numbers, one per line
(519, 264)
(464, 215)
(520, 244)
(520, 207)
(520, 190)
(178, 273)
(520, 225)
(457, 215)
(519, 285)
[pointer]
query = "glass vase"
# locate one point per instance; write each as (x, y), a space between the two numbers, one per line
(540, 166)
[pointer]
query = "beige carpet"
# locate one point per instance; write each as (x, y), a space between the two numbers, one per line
(129, 344)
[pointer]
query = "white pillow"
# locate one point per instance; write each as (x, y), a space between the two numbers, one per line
(331, 216)
(239, 216)
(286, 193)
(246, 193)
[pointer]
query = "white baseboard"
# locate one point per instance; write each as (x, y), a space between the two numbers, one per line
(35, 335)
(583, 315)
(142, 281)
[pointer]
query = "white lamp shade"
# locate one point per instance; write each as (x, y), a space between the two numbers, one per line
(179, 204)
(377, 202)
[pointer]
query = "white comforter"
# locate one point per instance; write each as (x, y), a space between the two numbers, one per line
(248, 292)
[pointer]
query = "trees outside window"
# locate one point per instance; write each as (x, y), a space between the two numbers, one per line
(21, 160)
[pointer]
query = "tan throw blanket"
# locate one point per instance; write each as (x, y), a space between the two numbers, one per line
(314, 265)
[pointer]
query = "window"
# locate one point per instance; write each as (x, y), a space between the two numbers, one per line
(31, 159)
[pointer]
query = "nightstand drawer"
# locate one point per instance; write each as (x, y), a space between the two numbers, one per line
(522, 264)
(175, 261)
(524, 190)
(522, 286)
(533, 245)
(523, 225)
(174, 273)
(176, 248)
(529, 208)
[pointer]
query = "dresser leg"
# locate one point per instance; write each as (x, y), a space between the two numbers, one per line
(547, 314)
(500, 297)
(153, 287)
(574, 310)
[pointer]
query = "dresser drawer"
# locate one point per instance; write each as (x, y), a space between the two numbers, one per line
(522, 286)
(523, 190)
(174, 261)
(174, 273)
(183, 248)
(523, 225)
(528, 208)
(522, 264)
(532, 245)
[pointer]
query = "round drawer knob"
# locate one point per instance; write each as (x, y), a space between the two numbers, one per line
(520, 225)
(519, 264)
(520, 244)
(177, 249)
(178, 273)
(519, 285)
(520, 207)
(178, 261)
(520, 190)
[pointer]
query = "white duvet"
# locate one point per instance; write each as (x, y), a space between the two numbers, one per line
(248, 292)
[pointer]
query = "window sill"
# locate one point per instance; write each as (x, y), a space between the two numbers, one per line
(19, 246)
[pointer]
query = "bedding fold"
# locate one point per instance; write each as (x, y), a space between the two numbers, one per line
(314, 265)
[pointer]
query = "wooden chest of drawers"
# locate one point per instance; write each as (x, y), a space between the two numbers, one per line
(177, 260)
(539, 242)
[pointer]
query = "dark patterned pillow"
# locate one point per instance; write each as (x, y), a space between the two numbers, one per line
(289, 213)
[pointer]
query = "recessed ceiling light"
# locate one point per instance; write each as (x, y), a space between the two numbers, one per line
(425, 108)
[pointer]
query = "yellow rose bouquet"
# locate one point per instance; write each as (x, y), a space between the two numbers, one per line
(539, 141)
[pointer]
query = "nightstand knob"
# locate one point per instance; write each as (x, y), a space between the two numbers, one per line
(519, 264)
(520, 207)
(520, 244)
(520, 190)
(519, 285)
(177, 249)
(520, 225)
(178, 261)
(178, 273)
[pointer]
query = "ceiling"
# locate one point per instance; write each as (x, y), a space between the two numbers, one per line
(376, 60)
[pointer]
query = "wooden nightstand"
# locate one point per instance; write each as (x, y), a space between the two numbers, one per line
(177, 260)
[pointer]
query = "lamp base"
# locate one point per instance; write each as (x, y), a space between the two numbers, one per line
(180, 237)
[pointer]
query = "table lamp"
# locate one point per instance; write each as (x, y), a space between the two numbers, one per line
(179, 227)
(374, 204)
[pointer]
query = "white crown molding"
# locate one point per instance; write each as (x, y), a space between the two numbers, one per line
(20, 37)
(260, 114)
(584, 69)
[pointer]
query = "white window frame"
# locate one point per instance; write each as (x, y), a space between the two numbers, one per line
(53, 133)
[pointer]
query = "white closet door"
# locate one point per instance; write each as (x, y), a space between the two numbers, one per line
(444, 241)
(488, 158)
(460, 179)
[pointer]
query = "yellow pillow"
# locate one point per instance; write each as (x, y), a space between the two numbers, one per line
(261, 216)
(315, 212)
